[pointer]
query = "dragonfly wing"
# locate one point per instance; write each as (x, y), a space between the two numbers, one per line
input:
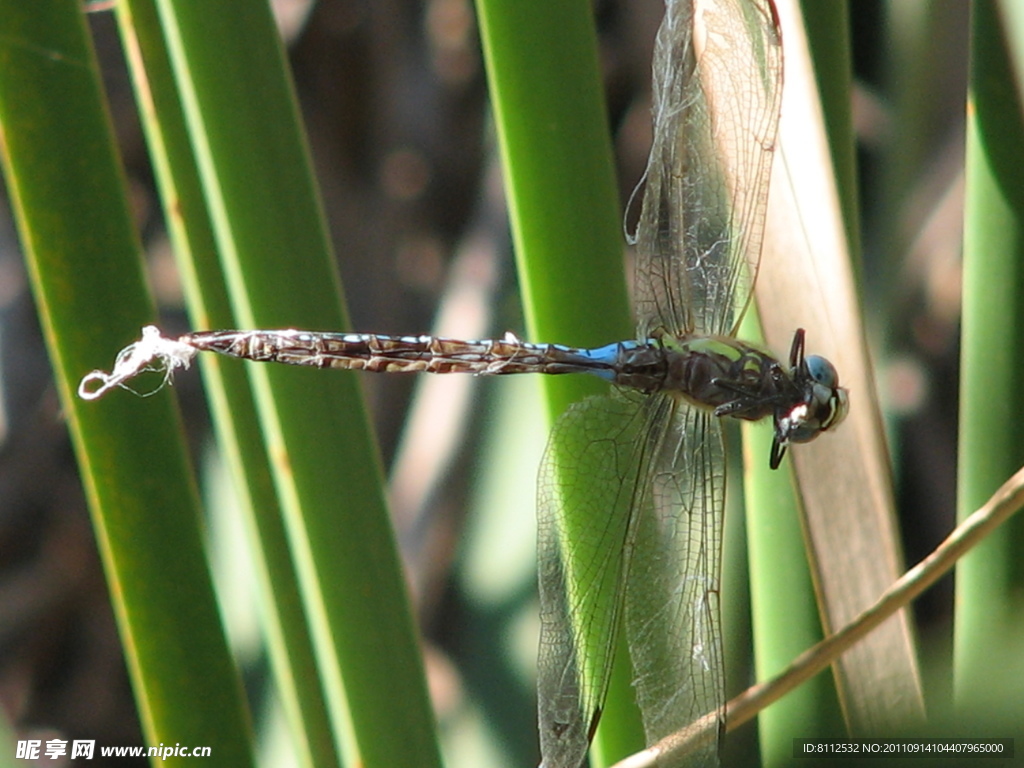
(672, 598)
(594, 477)
(716, 99)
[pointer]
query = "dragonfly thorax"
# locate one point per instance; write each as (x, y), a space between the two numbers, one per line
(730, 376)
(738, 379)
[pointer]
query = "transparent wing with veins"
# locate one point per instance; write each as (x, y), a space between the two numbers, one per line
(631, 491)
(591, 481)
(716, 96)
(643, 476)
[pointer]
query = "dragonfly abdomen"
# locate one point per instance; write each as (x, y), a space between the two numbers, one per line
(400, 354)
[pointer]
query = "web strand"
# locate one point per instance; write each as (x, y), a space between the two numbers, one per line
(152, 352)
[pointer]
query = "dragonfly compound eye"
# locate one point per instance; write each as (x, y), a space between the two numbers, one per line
(822, 371)
(825, 404)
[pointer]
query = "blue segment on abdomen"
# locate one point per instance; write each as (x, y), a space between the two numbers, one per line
(608, 355)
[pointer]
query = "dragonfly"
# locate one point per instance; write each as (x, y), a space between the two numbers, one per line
(632, 484)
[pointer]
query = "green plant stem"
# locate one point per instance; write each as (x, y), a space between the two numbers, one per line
(990, 445)
(546, 91)
(65, 180)
(254, 168)
(232, 406)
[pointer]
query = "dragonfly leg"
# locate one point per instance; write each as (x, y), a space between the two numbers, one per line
(751, 401)
(745, 404)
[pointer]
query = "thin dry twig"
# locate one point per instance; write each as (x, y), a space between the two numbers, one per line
(999, 508)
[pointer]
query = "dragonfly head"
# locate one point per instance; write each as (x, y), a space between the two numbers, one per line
(822, 404)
